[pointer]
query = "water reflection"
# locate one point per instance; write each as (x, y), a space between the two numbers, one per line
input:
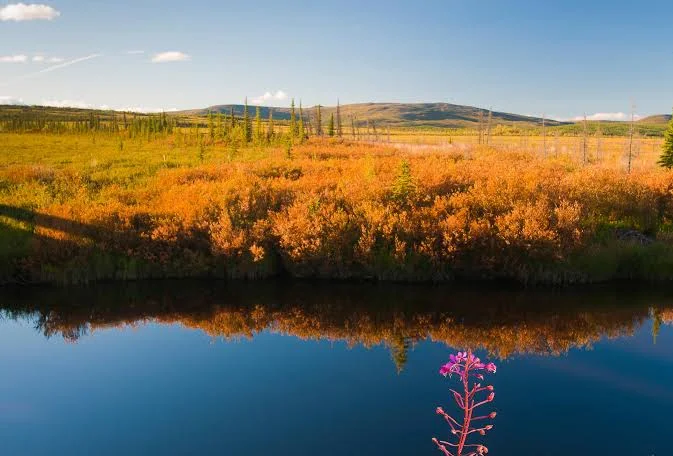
(503, 323)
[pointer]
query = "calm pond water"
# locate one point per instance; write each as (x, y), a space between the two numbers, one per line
(196, 368)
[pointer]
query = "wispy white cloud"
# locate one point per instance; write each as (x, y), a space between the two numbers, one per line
(38, 58)
(67, 64)
(170, 56)
(268, 96)
(13, 59)
(34, 12)
(136, 52)
(7, 100)
(52, 68)
(610, 116)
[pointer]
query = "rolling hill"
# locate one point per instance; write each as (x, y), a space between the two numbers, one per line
(406, 115)
(393, 114)
(657, 120)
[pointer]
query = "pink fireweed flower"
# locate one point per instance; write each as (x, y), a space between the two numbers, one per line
(471, 371)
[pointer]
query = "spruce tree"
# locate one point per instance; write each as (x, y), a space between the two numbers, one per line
(330, 126)
(220, 126)
(232, 120)
(293, 120)
(404, 185)
(318, 122)
(259, 134)
(666, 159)
(211, 126)
(302, 128)
(247, 123)
(339, 126)
(270, 133)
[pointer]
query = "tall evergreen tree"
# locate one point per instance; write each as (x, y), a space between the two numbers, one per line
(247, 123)
(330, 125)
(666, 159)
(259, 134)
(269, 132)
(302, 127)
(232, 120)
(211, 126)
(339, 126)
(220, 126)
(318, 121)
(293, 121)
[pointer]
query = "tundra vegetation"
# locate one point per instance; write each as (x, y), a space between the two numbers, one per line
(86, 196)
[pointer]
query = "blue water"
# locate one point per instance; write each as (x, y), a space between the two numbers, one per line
(159, 387)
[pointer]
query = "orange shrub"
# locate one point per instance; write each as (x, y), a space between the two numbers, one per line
(335, 210)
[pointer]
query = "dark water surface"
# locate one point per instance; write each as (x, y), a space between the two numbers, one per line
(196, 368)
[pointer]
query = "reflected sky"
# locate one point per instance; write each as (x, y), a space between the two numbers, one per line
(312, 369)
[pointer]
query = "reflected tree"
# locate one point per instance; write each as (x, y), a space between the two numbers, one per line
(399, 352)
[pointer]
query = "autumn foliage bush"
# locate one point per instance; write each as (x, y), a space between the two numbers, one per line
(335, 209)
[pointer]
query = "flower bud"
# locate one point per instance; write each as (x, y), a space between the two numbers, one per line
(492, 415)
(491, 397)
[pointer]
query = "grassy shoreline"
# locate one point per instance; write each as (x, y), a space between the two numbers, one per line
(326, 209)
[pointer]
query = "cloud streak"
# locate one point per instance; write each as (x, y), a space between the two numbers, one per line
(53, 68)
(170, 56)
(19, 12)
(13, 59)
(64, 64)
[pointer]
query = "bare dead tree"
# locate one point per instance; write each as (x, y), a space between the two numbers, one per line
(631, 131)
(481, 125)
(599, 142)
(544, 137)
(339, 128)
(488, 126)
(557, 142)
(584, 140)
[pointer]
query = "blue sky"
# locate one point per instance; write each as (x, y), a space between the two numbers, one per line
(531, 57)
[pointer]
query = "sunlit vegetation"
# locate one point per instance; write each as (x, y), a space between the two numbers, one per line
(114, 196)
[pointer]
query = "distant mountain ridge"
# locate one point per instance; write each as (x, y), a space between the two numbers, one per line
(444, 115)
(424, 115)
(657, 119)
